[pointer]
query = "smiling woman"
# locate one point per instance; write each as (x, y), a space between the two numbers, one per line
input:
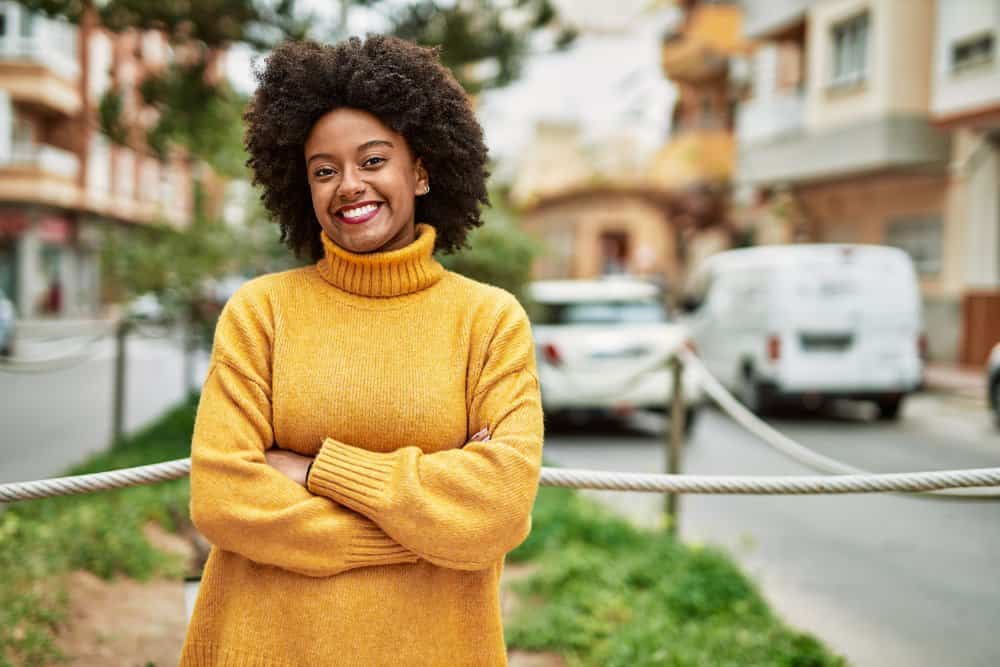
(368, 442)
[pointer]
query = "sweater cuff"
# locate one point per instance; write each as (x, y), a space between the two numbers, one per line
(371, 546)
(351, 476)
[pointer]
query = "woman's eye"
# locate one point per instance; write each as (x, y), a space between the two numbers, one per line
(323, 172)
(373, 162)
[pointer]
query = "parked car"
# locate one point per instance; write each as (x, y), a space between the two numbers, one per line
(600, 344)
(810, 322)
(993, 382)
(6, 326)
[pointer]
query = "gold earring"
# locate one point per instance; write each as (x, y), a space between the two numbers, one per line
(426, 190)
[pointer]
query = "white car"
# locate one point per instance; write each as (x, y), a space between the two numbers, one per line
(602, 347)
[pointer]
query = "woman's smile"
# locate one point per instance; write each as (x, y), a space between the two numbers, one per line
(356, 214)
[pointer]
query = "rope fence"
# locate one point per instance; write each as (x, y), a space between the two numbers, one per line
(570, 478)
(841, 478)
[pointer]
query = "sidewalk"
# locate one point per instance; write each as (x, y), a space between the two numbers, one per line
(962, 381)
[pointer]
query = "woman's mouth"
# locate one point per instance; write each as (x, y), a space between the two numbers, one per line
(355, 215)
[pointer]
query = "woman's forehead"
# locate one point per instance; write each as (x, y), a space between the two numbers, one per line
(350, 130)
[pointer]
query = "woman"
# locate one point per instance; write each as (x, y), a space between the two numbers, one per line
(354, 519)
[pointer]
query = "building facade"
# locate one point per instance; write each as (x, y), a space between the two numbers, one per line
(840, 139)
(965, 101)
(61, 181)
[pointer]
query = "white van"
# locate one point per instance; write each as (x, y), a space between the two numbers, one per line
(810, 322)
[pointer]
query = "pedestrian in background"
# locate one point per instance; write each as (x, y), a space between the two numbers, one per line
(368, 442)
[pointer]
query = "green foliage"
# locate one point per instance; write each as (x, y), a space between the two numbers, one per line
(498, 253)
(42, 541)
(203, 117)
(109, 117)
(479, 41)
(609, 594)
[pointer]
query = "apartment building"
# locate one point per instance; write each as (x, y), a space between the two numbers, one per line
(61, 181)
(965, 100)
(838, 140)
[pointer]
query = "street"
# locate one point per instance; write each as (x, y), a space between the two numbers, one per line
(54, 419)
(884, 580)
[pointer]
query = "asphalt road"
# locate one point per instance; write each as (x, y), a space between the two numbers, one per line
(51, 420)
(884, 580)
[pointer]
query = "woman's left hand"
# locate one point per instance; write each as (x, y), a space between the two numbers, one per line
(291, 465)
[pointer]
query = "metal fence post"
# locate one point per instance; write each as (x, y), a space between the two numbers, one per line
(118, 397)
(675, 441)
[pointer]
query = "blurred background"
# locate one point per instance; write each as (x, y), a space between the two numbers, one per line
(638, 141)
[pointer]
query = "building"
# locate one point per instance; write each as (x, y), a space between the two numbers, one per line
(839, 143)
(590, 207)
(61, 181)
(965, 100)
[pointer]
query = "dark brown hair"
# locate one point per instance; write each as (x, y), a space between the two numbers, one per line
(403, 85)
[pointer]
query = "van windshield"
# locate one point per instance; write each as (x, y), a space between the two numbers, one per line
(603, 312)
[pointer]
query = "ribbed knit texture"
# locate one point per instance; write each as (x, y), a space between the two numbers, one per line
(380, 366)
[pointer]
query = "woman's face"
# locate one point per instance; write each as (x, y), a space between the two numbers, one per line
(364, 180)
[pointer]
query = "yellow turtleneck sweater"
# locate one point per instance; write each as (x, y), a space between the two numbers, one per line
(381, 366)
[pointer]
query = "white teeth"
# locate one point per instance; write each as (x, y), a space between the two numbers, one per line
(358, 212)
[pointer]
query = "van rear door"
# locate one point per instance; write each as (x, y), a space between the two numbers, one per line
(850, 321)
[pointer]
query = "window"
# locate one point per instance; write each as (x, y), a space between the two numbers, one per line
(920, 237)
(603, 312)
(972, 52)
(850, 51)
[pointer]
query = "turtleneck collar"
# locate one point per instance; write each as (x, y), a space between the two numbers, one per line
(383, 274)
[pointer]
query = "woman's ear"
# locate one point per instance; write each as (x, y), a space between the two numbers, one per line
(423, 185)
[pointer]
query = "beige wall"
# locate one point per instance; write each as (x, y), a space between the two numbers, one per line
(572, 233)
(860, 210)
(899, 61)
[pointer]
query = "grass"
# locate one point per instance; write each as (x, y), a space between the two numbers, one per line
(609, 594)
(43, 541)
(605, 593)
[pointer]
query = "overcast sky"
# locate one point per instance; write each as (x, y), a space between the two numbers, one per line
(609, 82)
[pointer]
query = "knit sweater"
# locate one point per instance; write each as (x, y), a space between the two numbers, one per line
(380, 366)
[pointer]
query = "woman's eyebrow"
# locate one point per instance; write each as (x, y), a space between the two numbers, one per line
(373, 143)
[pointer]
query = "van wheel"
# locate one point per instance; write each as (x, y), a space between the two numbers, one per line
(888, 408)
(996, 401)
(690, 419)
(755, 395)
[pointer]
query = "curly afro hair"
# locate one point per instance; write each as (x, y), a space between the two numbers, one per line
(404, 86)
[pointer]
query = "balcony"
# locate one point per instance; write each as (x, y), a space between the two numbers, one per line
(700, 48)
(692, 157)
(41, 174)
(760, 120)
(39, 64)
(767, 19)
(886, 142)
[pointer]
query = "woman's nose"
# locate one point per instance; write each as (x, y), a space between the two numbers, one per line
(350, 185)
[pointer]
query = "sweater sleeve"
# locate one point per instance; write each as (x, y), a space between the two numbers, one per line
(239, 502)
(459, 508)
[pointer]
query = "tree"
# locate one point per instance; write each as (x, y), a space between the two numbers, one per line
(484, 42)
